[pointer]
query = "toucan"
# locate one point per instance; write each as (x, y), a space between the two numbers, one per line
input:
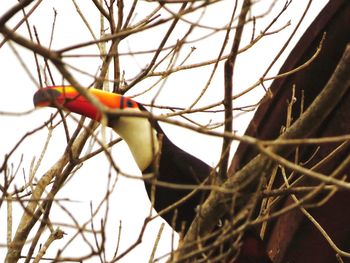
(154, 154)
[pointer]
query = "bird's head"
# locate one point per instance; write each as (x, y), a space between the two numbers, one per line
(69, 98)
(138, 132)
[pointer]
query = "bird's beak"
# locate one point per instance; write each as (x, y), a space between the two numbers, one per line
(47, 97)
(69, 98)
(56, 96)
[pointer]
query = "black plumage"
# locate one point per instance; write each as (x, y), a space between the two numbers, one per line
(175, 166)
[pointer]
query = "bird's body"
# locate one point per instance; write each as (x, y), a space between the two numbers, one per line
(170, 173)
(147, 141)
(179, 168)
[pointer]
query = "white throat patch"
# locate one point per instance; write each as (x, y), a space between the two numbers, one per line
(140, 136)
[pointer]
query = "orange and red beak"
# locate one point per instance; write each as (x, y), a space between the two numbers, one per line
(69, 98)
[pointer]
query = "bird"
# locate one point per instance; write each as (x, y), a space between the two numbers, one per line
(154, 154)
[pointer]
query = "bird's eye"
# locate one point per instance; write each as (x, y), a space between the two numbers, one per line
(129, 104)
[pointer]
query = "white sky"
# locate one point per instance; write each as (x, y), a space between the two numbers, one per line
(129, 201)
